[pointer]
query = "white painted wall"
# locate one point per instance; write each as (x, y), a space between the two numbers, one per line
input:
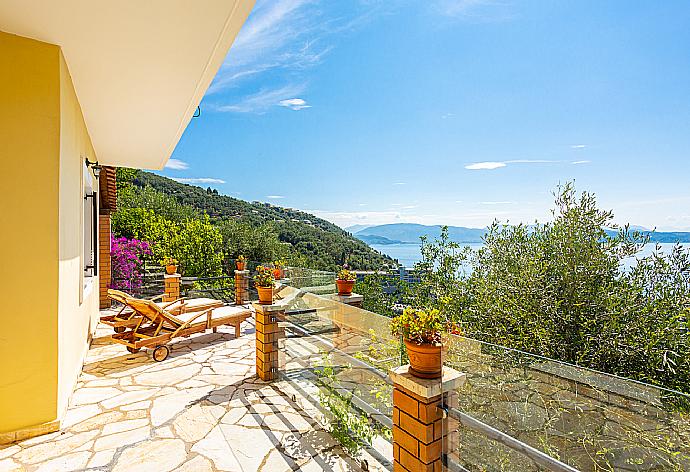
(77, 297)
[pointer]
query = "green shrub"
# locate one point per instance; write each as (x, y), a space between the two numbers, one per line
(558, 289)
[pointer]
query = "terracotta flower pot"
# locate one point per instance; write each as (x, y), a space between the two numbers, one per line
(171, 269)
(241, 265)
(277, 273)
(425, 360)
(265, 295)
(345, 286)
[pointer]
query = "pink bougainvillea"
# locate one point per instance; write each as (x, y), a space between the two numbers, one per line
(127, 262)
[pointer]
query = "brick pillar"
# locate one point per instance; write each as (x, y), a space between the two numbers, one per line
(241, 287)
(268, 333)
(104, 267)
(172, 287)
(419, 428)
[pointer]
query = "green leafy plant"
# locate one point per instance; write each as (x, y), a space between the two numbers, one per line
(264, 277)
(419, 326)
(198, 245)
(350, 426)
(383, 293)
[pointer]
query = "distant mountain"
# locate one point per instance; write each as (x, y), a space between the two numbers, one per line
(355, 228)
(379, 240)
(410, 233)
(667, 237)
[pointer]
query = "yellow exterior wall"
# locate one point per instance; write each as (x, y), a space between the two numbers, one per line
(77, 299)
(47, 312)
(29, 186)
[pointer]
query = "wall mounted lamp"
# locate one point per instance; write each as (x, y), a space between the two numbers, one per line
(95, 167)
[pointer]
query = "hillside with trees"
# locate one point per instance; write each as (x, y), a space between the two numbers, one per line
(204, 229)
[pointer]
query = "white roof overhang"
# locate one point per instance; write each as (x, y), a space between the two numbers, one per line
(139, 67)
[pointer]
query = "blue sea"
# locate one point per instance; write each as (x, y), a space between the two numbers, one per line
(409, 254)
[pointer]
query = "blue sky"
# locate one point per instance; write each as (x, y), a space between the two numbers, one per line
(451, 111)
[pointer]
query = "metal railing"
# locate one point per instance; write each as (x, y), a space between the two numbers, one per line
(363, 408)
(516, 411)
(538, 457)
(219, 288)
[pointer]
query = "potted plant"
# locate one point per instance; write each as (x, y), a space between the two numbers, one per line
(170, 265)
(421, 330)
(241, 262)
(278, 272)
(264, 283)
(345, 281)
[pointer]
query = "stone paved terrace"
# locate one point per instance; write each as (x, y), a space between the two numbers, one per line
(200, 410)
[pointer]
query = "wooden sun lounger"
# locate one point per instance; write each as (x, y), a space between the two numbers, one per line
(156, 326)
(128, 318)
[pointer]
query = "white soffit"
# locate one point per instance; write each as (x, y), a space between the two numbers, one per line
(139, 67)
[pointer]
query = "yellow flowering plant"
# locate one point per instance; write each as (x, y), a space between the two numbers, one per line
(345, 274)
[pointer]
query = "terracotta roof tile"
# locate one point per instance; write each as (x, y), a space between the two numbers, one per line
(108, 188)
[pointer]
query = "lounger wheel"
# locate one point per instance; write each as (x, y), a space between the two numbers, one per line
(133, 350)
(119, 329)
(161, 353)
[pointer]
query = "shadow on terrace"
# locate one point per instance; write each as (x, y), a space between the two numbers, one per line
(200, 410)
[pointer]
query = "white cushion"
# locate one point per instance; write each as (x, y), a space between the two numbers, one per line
(217, 313)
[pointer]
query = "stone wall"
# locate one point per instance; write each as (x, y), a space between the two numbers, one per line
(589, 420)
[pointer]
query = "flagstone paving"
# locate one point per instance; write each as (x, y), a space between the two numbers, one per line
(202, 409)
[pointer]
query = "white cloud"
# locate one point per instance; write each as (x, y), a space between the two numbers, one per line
(279, 34)
(485, 165)
(458, 7)
(399, 183)
(294, 104)
(274, 197)
(261, 101)
(491, 165)
(284, 38)
(580, 162)
(496, 203)
(531, 161)
(578, 146)
(199, 180)
(486, 10)
(349, 218)
(176, 164)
